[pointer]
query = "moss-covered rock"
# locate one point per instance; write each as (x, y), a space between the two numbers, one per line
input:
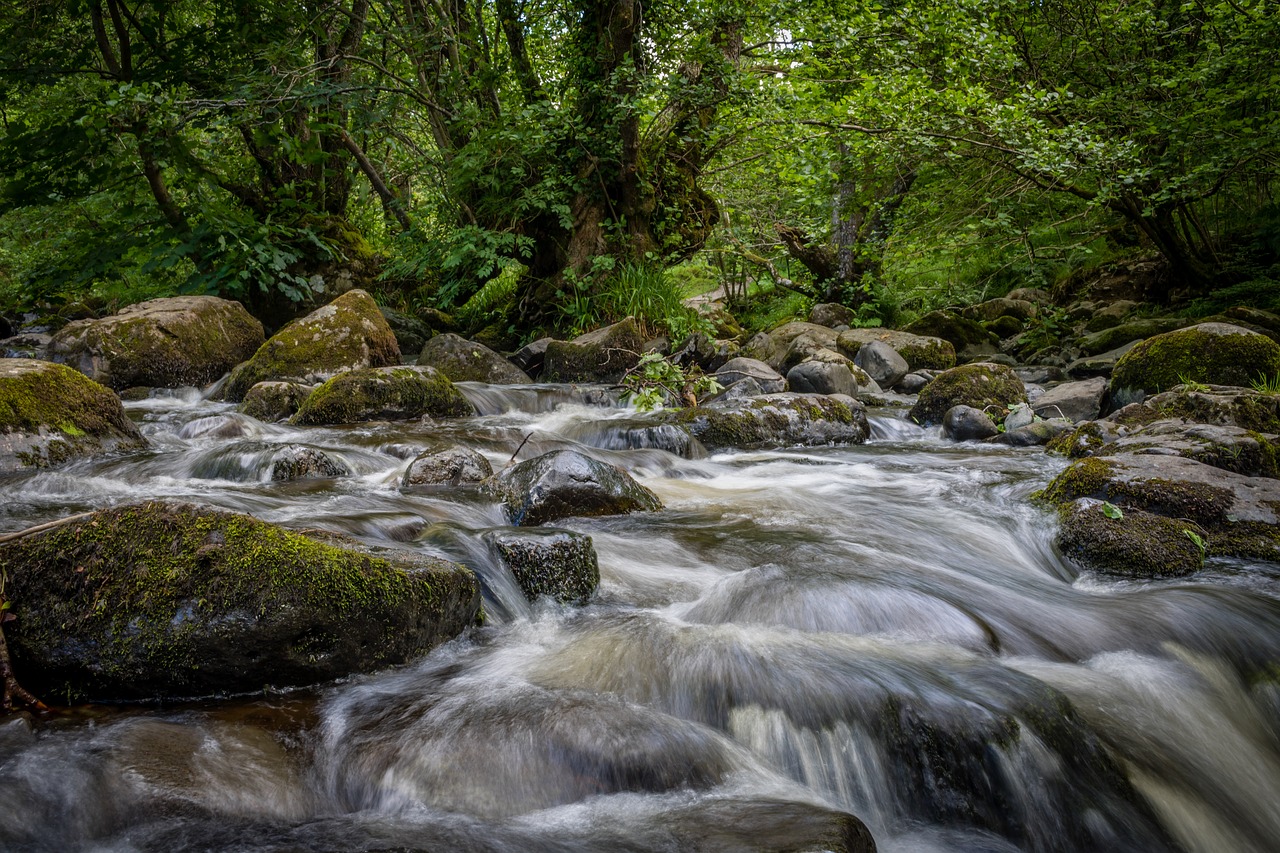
(963, 334)
(1003, 327)
(272, 402)
(776, 420)
(565, 483)
(305, 463)
(1253, 454)
(556, 563)
(163, 343)
(1212, 353)
(348, 333)
(451, 466)
(163, 600)
(50, 414)
(468, 361)
(1236, 407)
(383, 394)
(1125, 333)
(1137, 544)
(979, 385)
(1019, 310)
(920, 351)
(600, 356)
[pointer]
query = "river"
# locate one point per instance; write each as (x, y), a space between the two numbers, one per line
(884, 629)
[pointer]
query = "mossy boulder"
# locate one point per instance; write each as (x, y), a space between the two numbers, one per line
(272, 402)
(1019, 310)
(1212, 353)
(556, 563)
(1137, 544)
(922, 352)
(1234, 514)
(50, 414)
(467, 361)
(348, 333)
(565, 483)
(1224, 406)
(166, 600)
(776, 420)
(163, 343)
(600, 356)
(980, 385)
(832, 314)
(1125, 333)
(382, 394)
(967, 336)
(451, 466)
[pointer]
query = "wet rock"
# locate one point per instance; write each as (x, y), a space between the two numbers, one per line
(979, 385)
(1018, 415)
(1127, 333)
(382, 394)
(305, 463)
(163, 343)
(452, 466)
(1247, 452)
(50, 414)
(776, 420)
(216, 426)
(832, 314)
(921, 352)
(1138, 544)
(912, 383)
(826, 377)
(531, 356)
(564, 484)
(272, 402)
(600, 356)
(1034, 434)
(995, 309)
(1237, 407)
(965, 423)
(348, 333)
(164, 600)
(467, 361)
(1213, 353)
(556, 563)
(738, 369)
(1234, 514)
(882, 363)
(1076, 401)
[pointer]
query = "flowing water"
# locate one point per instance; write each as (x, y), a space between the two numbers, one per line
(884, 630)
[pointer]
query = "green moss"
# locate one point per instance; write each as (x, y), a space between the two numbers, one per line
(1250, 411)
(978, 385)
(382, 393)
(350, 332)
(1088, 477)
(1080, 442)
(126, 589)
(1193, 354)
(1138, 544)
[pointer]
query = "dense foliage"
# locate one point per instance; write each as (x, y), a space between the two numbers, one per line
(889, 155)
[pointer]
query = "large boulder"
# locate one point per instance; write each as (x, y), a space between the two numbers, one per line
(565, 483)
(382, 394)
(980, 385)
(967, 336)
(922, 352)
(165, 600)
(829, 376)
(832, 314)
(451, 466)
(50, 414)
(965, 423)
(348, 333)
(600, 356)
(882, 363)
(1233, 515)
(1225, 406)
(776, 420)
(736, 370)
(163, 343)
(1130, 542)
(1126, 333)
(1212, 353)
(467, 361)
(556, 563)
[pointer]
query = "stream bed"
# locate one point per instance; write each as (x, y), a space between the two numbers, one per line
(883, 629)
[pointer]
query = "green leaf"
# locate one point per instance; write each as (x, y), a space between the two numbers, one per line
(1110, 510)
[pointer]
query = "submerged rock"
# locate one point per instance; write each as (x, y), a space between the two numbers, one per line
(348, 333)
(163, 343)
(305, 463)
(556, 563)
(50, 414)
(165, 600)
(382, 393)
(467, 361)
(776, 420)
(565, 483)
